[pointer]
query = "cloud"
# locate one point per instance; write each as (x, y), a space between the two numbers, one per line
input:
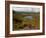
(26, 9)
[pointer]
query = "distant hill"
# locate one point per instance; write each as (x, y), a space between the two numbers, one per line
(16, 12)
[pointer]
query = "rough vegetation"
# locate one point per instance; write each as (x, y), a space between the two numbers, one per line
(20, 22)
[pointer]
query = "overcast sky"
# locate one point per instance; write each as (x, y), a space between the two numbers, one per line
(27, 9)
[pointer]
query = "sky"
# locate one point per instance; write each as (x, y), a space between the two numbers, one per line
(26, 9)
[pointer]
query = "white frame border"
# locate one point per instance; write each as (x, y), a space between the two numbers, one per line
(25, 31)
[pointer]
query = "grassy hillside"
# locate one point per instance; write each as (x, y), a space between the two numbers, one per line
(20, 21)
